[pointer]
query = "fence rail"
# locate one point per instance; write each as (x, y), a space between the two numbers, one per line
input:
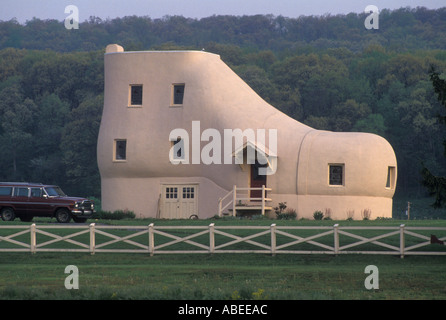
(400, 240)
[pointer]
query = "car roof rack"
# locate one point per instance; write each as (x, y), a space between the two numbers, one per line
(23, 183)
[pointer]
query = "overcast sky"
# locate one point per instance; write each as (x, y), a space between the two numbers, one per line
(24, 10)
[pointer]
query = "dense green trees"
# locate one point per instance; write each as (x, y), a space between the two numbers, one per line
(436, 184)
(328, 72)
(50, 109)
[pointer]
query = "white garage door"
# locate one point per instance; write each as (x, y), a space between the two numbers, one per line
(179, 201)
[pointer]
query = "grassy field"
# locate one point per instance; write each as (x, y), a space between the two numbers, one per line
(107, 276)
(123, 276)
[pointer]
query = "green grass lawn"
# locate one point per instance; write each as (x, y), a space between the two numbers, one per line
(232, 276)
(223, 276)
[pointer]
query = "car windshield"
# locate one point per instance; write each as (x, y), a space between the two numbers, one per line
(55, 192)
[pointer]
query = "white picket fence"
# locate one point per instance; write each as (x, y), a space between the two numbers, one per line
(400, 240)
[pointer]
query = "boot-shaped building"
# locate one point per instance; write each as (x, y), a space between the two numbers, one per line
(182, 136)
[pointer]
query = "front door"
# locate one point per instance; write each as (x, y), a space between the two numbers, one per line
(179, 201)
(257, 181)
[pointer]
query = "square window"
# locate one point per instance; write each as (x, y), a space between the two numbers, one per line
(136, 95)
(336, 175)
(178, 94)
(120, 150)
(171, 193)
(188, 192)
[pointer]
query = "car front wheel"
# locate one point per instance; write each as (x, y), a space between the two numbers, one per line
(63, 216)
(7, 214)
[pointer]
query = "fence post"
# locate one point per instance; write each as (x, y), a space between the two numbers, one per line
(273, 239)
(211, 238)
(336, 238)
(402, 241)
(33, 238)
(151, 240)
(263, 199)
(92, 238)
(234, 199)
(219, 206)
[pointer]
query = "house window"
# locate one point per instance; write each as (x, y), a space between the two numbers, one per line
(336, 174)
(120, 150)
(390, 183)
(178, 94)
(188, 192)
(171, 193)
(136, 95)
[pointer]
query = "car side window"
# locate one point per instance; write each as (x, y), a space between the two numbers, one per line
(5, 191)
(36, 192)
(21, 192)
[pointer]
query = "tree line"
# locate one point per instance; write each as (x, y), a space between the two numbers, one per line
(399, 30)
(328, 72)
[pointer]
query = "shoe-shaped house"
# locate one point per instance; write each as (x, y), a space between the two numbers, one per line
(183, 136)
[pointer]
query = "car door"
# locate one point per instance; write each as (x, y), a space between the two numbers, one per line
(38, 204)
(20, 200)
